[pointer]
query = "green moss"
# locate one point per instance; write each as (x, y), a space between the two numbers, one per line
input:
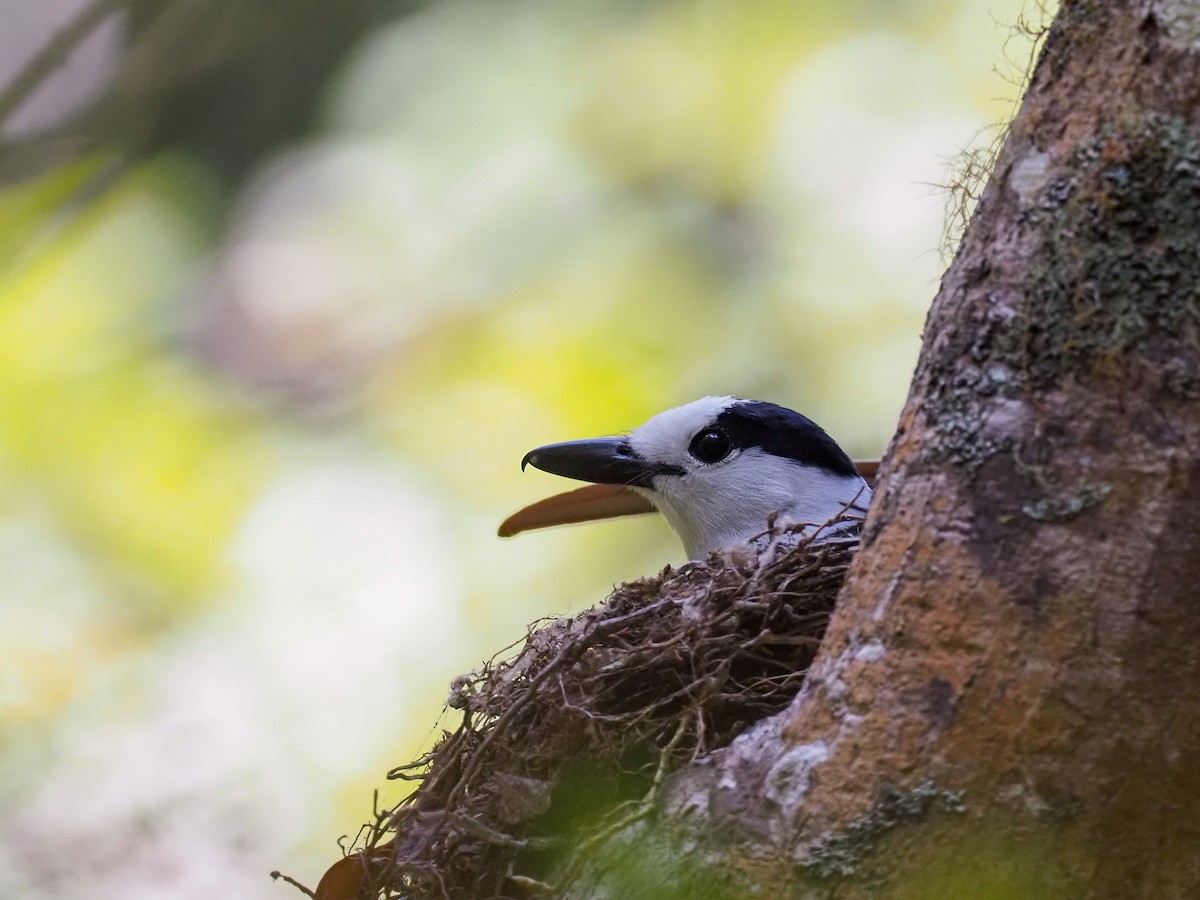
(1120, 255)
(656, 861)
(991, 864)
(1110, 288)
(839, 854)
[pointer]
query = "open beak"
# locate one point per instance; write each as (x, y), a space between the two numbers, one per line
(585, 504)
(612, 465)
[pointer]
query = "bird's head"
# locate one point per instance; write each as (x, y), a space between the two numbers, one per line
(719, 468)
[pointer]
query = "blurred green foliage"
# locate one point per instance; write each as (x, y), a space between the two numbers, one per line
(133, 448)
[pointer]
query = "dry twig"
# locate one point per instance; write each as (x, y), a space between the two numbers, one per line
(603, 707)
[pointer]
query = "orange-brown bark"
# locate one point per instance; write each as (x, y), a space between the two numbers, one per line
(1007, 703)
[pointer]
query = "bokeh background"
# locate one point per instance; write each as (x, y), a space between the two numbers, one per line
(287, 288)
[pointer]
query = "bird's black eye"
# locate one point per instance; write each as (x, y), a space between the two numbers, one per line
(711, 445)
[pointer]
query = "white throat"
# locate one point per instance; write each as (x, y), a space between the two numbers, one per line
(710, 511)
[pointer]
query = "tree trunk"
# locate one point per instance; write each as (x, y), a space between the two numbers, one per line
(1007, 702)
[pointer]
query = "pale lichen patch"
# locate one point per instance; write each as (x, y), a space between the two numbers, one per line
(1064, 507)
(788, 779)
(872, 651)
(1029, 175)
(1179, 21)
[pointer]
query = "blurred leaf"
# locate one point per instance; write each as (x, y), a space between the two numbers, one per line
(130, 445)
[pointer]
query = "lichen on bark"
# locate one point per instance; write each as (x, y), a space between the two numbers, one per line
(1109, 283)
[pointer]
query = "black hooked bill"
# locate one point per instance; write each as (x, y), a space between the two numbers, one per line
(598, 460)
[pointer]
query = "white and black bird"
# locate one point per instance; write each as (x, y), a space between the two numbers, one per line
(718, 469)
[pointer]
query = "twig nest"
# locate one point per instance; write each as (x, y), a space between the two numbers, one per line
(569, 738)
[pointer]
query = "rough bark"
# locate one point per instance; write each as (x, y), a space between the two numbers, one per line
(1007, 702)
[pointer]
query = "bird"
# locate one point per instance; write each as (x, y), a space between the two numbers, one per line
(721, 470)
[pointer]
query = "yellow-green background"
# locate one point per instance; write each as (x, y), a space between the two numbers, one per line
(255, 437)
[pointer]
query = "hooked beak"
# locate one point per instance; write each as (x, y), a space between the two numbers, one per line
(600, 461)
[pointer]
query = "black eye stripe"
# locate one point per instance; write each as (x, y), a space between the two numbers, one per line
(785, 433)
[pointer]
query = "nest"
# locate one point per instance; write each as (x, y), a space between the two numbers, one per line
(565, 740)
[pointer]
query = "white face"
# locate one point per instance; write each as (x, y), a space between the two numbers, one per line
(716, 504)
